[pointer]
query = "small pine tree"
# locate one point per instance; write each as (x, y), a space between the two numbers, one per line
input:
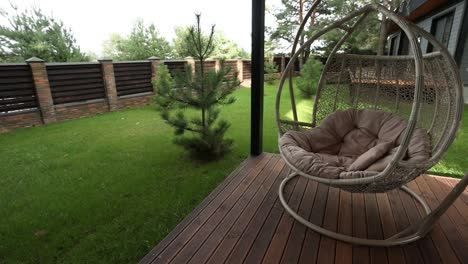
(203, 91)
(309, 77)
(162, 85)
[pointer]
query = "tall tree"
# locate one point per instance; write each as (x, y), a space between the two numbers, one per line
(204, 92)
(31, 33)
(370, 37)
(142, 43)
(223, 47)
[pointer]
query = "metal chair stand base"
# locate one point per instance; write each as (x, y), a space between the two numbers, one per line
(411, 234)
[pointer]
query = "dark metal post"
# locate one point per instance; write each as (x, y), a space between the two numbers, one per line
(256, 105)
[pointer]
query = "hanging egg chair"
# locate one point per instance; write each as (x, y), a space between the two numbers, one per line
(377, 123)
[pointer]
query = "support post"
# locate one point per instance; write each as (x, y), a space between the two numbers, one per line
(191, 62)
(155, 61)
(258, 43)
(109, 83)
(43, 92)
(240, 69)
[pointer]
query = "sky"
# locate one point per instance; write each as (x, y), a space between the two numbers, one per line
(92, 21)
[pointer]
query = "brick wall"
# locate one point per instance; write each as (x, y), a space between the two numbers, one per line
(61, 91)
(78, 110)
(135, 100)
(10, 122)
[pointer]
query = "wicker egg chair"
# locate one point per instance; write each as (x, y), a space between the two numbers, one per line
(393, 115)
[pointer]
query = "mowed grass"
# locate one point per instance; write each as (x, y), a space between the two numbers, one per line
(108, 188)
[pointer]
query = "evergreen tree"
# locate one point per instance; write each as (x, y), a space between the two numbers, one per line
(32, 33)
(203, 91)
(142, 43)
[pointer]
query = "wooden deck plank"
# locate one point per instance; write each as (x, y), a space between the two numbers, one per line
(219, 234)
(374, 229)
(278, 242)
(328, 245)
(261, 229)
(309, 252)
(344, 251)
(294, 244)
(395, 254)
(412, 254)
(360, 254)
(222, 189)
(443, 253)
(446, 224)
(267, 231)
(461, 207)
(214, 211)
(227, 212)
(240, 228)
(242, 221)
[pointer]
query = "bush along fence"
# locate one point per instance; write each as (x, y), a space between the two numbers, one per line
(36, 92)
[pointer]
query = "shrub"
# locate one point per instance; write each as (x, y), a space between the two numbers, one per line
(270, 69)
(309, 77)
(162, 84)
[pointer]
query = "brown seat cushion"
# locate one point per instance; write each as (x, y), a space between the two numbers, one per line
(337, 144)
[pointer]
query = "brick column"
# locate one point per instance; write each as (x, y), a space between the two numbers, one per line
(109, 83)
(155, 61)
(283, 63)
(240, 69)
(43, 93)
(217, 63)
(191, 62)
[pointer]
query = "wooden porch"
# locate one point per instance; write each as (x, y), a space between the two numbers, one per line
(242, 220)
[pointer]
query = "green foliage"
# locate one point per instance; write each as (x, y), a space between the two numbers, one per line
(223, 47)
(204, 92)
(32, 33)
(363, 41)
(270, 67)
(142, 43)
(162, 85)
(271, 70)
(309, 77)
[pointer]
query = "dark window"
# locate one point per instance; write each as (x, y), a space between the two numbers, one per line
(393, 42)
(403, 48)
(441, 28)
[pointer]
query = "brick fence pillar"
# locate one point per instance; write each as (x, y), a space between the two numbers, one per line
(43, 93)
(240, 69)
(155, 61)
(217, 63)
(109, 83)
(191, 62)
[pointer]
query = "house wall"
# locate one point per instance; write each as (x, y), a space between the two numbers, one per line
(464, 71)
(452, 45)
(457, 21)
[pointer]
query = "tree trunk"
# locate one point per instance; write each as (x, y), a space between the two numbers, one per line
(301, 42)
(383, 32)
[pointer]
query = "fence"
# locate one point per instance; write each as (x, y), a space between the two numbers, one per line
(36, 92)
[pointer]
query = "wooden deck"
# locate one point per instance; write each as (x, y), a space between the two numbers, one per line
(243, 221)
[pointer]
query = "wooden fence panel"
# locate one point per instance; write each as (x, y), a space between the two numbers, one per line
(133, 77)
(247, 69)
(75, 82)
(17, 92)
(209, 66)
(232, 64)
(175, 66)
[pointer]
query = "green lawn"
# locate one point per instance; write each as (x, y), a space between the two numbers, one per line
(106, 189)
